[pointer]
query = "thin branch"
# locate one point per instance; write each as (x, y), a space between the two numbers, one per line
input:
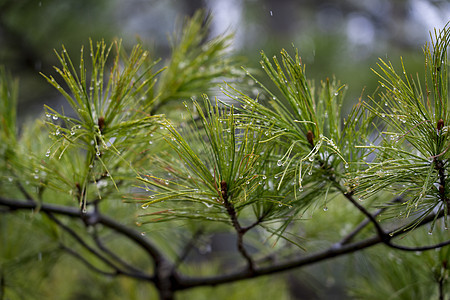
(422, 248)
(80, 241)
(441, 288)
(73, 212)
(116, 257)
(254, 224)
(135, 273)
(186, 283)
(239, 230)
(187, 249)
(24, 191)
(116, 272)
(2, 284)
(88, 264)
(371, 218)
(335, 250)
(440, 167)
(387, 238)
(178, 282)
(348, 238)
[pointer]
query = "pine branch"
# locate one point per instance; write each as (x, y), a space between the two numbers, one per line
(364, 223)
(92, 218)
(87, 263)
(334, 251)
(381, 233)
(187, 249)
(167, 280)
(113, 255)
(237, 226)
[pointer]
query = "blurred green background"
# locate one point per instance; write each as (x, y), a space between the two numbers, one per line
(335, 38)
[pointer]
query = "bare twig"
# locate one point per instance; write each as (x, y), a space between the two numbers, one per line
(348, 238)
(422, 248)
(254, 224)
(334, 251)
(2, 285)
(383, 235)
(79, 239)
(113, 255)
(239, 230)
(87, 263)
(188, 248)
(167, 281)
(74, 212)
(440, 167)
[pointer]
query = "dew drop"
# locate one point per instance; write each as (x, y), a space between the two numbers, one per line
(325, 208)
(271, 13)
(279, 163)
(55, 117)
(145, 206)
(209, 205)
(47, 154)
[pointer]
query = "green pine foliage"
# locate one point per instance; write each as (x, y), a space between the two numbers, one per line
(254, 168)
(412, 151)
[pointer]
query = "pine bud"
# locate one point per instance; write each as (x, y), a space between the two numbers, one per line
(440, 124)
(441, 189)
(101, 123)
(310, 137)
(223, 188)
